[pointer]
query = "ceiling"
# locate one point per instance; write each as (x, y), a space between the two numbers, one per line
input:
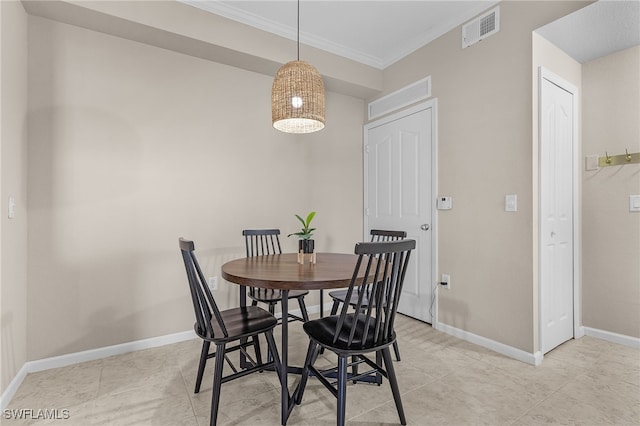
(597, 30)
(373, 32)
(380, 32)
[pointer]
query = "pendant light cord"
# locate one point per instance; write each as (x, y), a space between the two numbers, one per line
(298, 29)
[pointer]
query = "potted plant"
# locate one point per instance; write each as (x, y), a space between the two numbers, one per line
(306, 243)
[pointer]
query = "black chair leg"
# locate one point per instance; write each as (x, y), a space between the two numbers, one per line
(203, 361)
(342, 389)
(303, 309)
(396, 350)
(379, 362)
(256, 348)
(272, 311)
(273, 351)
(354, 367)
(217, 382)
(388, 363)
(308, 361)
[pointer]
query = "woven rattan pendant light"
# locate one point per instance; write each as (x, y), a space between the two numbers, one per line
(297, 96)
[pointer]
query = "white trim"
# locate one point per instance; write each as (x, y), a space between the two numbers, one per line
(246, 17)
(104, 352)
(434, 212)
(501, 348)
(412, 90)
(89, 355)
(13, 387)
(609, 336)
(371, 58)
(107, 351)
(545, 74)
(433, 104)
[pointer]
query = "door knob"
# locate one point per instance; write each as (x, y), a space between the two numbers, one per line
(424, 227)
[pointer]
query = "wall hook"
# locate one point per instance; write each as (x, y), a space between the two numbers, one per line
(618, 160)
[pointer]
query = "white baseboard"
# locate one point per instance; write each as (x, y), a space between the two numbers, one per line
(534, 358)
(609, 336)
(11, 390)
(107, 351)
(501, 348)
(89, 355)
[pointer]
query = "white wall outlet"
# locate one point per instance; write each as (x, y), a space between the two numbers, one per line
(446, 281)
(213, 283)
(634, 203)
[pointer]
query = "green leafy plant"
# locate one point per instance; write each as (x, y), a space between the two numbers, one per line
(306, 232)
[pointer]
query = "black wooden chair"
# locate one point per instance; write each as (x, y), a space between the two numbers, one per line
(368, 329)
(260, 242)
(240, 326)
(339, 296)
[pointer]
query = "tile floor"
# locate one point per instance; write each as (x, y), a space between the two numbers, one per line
(443, 380)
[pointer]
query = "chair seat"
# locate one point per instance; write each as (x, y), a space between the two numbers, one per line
(322, 331)
(240, 322)
(266, 295)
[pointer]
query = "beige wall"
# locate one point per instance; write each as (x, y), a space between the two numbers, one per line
(13, 169)
(484, 152)
(182, 28)
(611, 238)
(133, 146)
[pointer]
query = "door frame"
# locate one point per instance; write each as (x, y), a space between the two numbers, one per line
(433, 104)
(546, 74)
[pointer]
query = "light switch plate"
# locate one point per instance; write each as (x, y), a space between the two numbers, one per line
(444, 203)
(591, 163)
(12, 207)
(511, 203)
(634, 203)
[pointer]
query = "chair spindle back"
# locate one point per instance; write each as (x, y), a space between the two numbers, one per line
(260, 242)
(383, 235)
(384, 265)
(204, 305)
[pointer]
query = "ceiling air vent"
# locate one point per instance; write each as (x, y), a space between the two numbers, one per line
(481, 27)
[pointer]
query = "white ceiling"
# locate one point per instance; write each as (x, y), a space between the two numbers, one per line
(374, 32)
(597, 30)
(381, 32)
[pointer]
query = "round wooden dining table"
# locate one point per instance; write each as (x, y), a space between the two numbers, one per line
(283, 272)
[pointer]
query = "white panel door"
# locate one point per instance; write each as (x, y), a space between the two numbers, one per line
(556, 215)
(398, 196)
